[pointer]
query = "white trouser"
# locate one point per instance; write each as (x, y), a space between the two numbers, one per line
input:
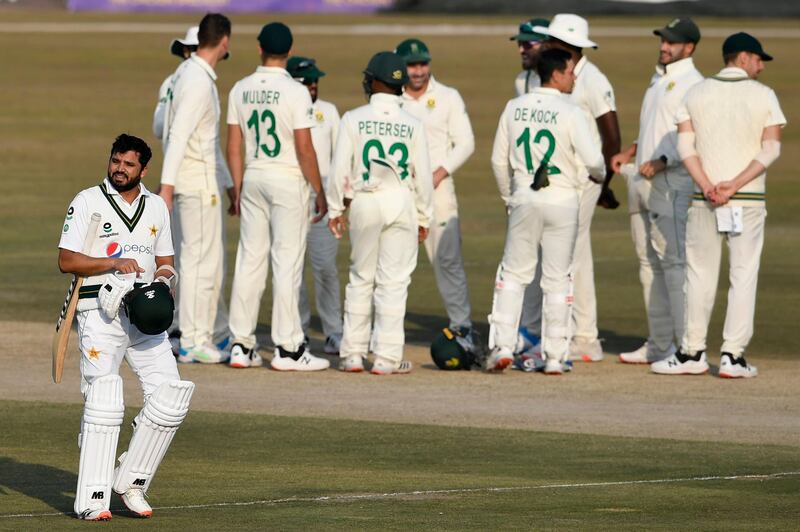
(551, 222)
(221, 319)
(322, 249)
(273, 228)
(658, 228)
(443, 247)
(531, 317)
(383, 240)
(199, 249)
(584, 310)
(104, 342)
(703, 256)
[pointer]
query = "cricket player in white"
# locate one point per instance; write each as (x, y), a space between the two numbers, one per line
(729, 132)
(542, 147)
(381, 163)
(530, 44)
(451, 142)
(193, 174)
(593, 93)
(322, 245)
(133, 245)
(659, 192)
(271, 114)
(183, 48)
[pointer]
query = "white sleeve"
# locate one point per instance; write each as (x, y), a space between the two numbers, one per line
(163, 244)
(423, 178)
(223, 172)
(587, 150)
(776, 117)
(341, 170)
(302, 110)
(334, 126)
(601, 96)
(459, 132)
(76, 223)
(190, 104)
(233, 116)
(682, 114)
(158, 114)
(500, 158)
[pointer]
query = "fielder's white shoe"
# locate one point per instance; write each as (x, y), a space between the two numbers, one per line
(285, 360)
(134, 500)
(352, 364)
(735, 368)
(206, 354)
(647, 354)
(242, 357)
(332, 344)
(680, 364)
(384, 366)
(499, 359)
(95, 515)
(553, 366)
(580, 349)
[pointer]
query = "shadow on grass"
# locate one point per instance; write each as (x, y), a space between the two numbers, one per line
(54, 487)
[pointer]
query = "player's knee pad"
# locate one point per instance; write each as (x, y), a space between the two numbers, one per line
(155, 426)
(506, 309)
(102, 417)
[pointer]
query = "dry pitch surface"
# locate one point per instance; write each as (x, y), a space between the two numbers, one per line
(602, 398)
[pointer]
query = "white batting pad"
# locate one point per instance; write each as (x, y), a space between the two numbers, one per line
(156, 425)
(506, 310)
(102, 417)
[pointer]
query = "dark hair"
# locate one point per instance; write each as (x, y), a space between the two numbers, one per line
(125, 143)
(551, 60)
(730, 57)
(213, 28)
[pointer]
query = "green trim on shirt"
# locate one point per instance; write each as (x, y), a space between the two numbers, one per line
(130, 223)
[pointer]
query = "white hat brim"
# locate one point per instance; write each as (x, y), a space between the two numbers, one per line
(569, 38)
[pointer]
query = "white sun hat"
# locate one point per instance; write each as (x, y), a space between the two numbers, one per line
(191, 39)
(569, 28)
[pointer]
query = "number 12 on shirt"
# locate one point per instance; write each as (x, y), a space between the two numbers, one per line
(545, 168)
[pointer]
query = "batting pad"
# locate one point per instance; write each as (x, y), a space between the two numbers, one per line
(506, 309)
(156, 425)
(102, 417)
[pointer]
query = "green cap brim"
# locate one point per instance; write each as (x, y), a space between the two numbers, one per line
(528, 37)
(417, 58)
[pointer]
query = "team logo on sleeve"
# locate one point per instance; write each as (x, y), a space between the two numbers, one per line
(70, 212)
(113, 250)
(153, 230)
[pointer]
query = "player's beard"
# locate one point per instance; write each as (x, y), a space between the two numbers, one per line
(130, 185)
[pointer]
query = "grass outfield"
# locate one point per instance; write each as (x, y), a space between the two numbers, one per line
(245, 471)
(68, 95)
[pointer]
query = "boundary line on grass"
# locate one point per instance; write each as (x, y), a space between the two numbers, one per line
(423, 493)
(376, 29)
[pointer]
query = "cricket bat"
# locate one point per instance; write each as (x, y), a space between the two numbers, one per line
(64, 323)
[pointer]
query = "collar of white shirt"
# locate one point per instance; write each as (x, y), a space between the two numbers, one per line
(579, 65)
(732, 73)
(273, 70)
(429, 89)
(111, 191)
(205, 66)
(547, 90)
(676, 68)
(385, 101)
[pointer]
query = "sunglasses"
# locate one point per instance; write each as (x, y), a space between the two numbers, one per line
(527, 45)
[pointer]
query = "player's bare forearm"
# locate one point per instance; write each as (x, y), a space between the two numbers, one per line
(233, 150)
(83, 265)
(164, 261)
(307, 158)
(439, 175)
(166, 192)
(623, 157)
(608, 126)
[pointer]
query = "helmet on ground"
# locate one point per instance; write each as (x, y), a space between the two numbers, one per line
(449, 354)
(150, 307)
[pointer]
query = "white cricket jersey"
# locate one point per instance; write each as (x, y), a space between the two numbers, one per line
(380, 130)
(526, 81)
(658, 132)
(323, 135)
(447, 126)
(269, 106)
(592, 93)
(139, 230)
(729, 113)
(161, 107)
(193, 157)
(544, 126)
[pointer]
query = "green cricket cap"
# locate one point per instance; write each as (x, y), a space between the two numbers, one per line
(526, 33)
(680, 30)
(389, 68)
(744, 42)
(150, 307)
(413, 51)
(303, 68)
(275, 38)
